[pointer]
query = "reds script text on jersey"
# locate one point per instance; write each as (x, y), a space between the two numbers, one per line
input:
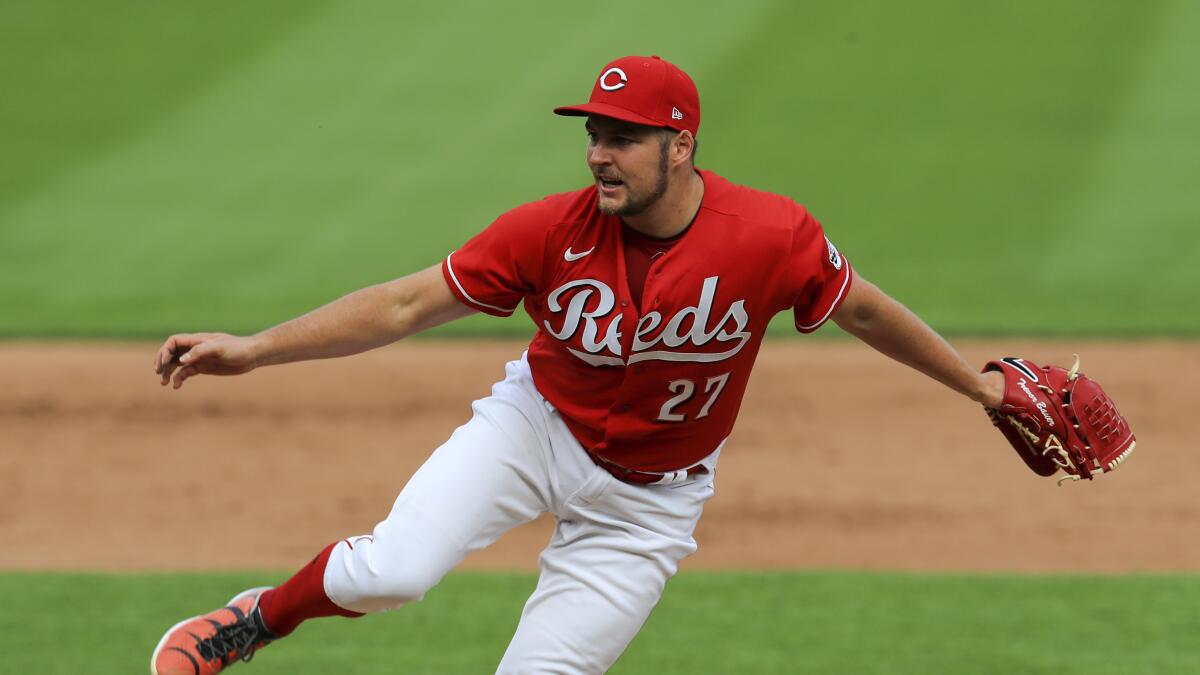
(656, 387)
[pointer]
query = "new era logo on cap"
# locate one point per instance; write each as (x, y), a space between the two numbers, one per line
(643, 90)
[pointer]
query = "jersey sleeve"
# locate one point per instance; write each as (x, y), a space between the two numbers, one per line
(821, 275)
(497, 268)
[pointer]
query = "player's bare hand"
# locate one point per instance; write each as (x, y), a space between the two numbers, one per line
(991, 389)
(189, 354)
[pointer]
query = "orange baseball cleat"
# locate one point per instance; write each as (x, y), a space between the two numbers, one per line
(205, 645)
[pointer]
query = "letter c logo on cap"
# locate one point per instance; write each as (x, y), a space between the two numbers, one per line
(622, 80)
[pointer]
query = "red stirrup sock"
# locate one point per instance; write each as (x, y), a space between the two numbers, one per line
(300, 598)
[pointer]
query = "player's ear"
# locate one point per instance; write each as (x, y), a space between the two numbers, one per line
(682, 147)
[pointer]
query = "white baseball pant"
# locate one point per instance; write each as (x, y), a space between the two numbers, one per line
(613, 549)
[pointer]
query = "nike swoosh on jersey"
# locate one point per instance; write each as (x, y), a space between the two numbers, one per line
(571, 256)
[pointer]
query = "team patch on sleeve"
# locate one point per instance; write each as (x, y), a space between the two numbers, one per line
(822, 275)
(835, 258)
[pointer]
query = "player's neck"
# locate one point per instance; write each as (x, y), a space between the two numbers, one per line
(674, 211)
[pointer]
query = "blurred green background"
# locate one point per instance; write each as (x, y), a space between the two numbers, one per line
(1003, 168)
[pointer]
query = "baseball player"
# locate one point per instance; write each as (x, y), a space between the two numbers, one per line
(651, 290)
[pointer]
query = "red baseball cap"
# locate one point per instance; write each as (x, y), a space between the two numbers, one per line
(643, 90)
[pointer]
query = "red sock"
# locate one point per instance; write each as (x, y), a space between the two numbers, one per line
(300, 598)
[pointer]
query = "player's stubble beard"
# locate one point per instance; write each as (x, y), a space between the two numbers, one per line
(635, 203)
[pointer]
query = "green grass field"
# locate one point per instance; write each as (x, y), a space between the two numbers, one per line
(804, 622)
(1019, 167)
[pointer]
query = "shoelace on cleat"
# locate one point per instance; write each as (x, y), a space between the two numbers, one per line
(243, 637)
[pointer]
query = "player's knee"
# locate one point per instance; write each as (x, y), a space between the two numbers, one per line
(395, 583)
(368, 578)
(405, 580)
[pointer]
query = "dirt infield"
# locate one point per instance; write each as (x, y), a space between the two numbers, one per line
(839, 459)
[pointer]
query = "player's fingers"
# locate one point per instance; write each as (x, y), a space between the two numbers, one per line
(196, 354)
(165, 374)
(160, 356)
(183, 374)
(169, 350)
(169, 369)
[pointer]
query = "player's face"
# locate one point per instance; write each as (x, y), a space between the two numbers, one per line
(629, 163)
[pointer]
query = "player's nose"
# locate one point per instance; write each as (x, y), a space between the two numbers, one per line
(597, 156)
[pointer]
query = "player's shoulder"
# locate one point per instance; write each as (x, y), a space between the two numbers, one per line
(554, 210)
(759, 209)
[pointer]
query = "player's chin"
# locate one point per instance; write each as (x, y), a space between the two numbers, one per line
(609, 204)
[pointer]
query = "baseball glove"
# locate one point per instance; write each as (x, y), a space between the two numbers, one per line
(1060, 419)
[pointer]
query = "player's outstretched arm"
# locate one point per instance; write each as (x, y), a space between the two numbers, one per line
(365, 319)
(891, 328)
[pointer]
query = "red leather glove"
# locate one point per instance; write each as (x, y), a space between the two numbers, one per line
(1060, 419)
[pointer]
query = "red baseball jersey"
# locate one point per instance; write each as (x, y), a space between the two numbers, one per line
(659, 389)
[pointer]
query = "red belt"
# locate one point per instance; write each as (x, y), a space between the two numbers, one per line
(646, 477)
